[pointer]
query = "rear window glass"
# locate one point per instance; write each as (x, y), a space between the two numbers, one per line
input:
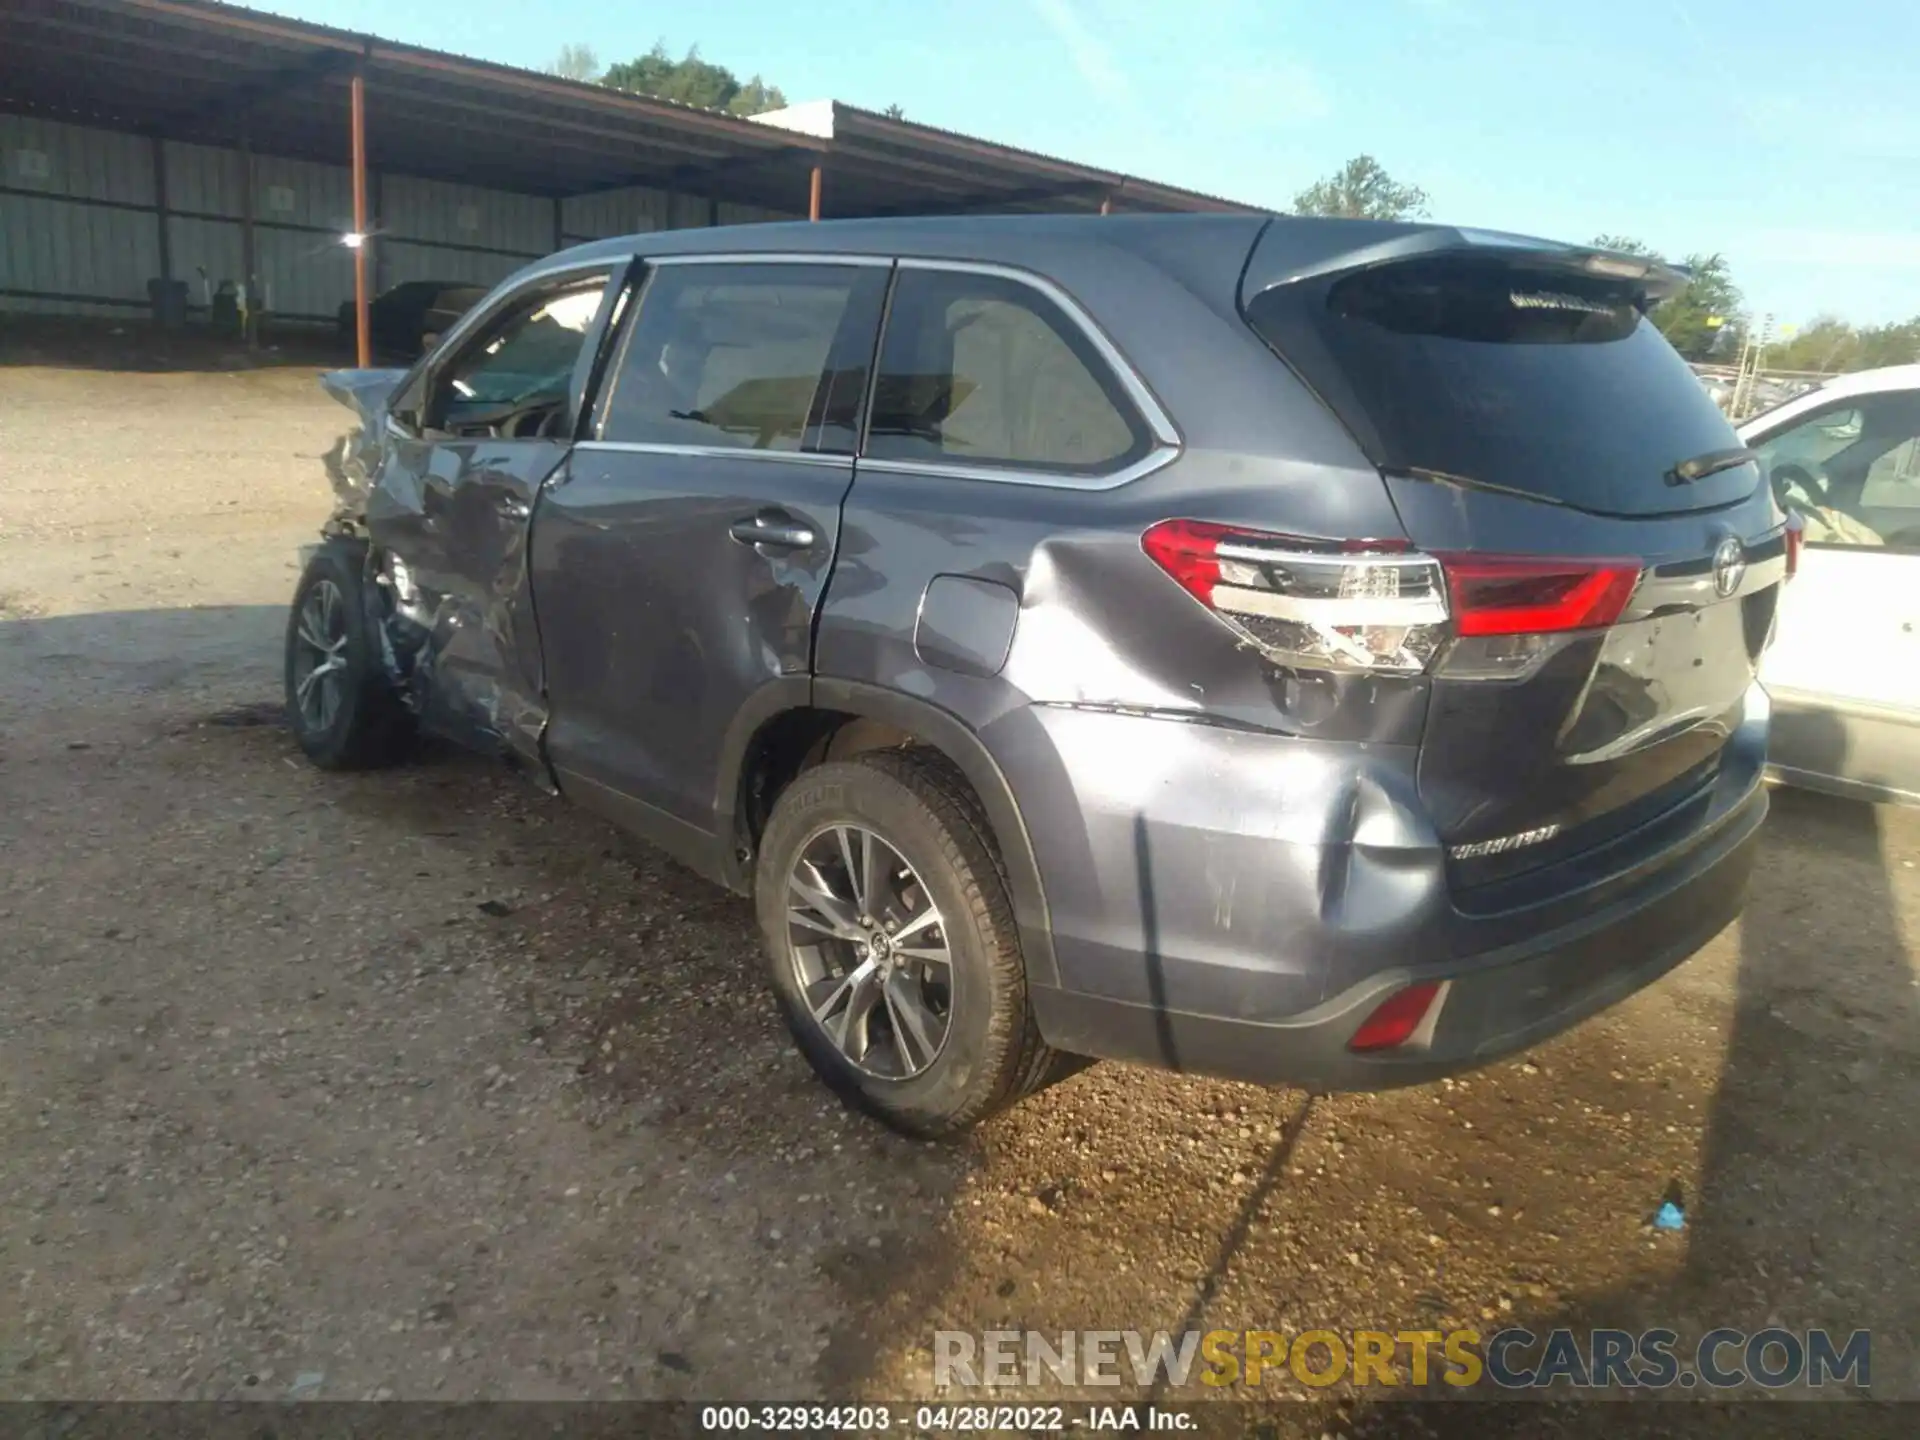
(1542, 382)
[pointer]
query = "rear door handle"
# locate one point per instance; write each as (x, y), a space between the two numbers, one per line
(773, 527)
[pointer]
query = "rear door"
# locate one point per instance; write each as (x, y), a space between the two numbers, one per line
(679, 560)
(1845, 670)
(1610, 600)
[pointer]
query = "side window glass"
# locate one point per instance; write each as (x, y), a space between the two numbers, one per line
(982, 370)
(749, 356)
(513, 382)
(1851, 471)
(1893, 481)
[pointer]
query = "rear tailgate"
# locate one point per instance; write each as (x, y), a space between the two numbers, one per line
(1610, 599)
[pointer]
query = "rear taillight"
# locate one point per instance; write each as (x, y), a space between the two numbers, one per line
(1396, 1019)
(1377, 605)
(1524, 595)
(1359, 605)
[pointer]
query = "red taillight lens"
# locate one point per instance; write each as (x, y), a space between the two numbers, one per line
(1796, 537)
(1189, 551)
(1315, 604)
(1526, 595)
(1396, 1019)
(1377, 604)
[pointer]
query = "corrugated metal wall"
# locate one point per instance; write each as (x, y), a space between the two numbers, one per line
(637, 210)
(62, 255)
(53, 248)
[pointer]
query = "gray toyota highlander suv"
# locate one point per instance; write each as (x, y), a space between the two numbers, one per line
(1308, 651)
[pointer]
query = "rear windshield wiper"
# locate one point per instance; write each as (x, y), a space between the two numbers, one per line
(1711, 463)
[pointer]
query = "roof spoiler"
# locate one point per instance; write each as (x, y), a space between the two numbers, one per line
(1294, 249)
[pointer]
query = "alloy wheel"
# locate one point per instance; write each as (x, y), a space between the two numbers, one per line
(869, 952)
(320, 657)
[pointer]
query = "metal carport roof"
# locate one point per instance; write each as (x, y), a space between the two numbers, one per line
(194, 69)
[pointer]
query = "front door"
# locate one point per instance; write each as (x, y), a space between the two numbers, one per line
(1844, 670)
(467, 452)
(679, 560)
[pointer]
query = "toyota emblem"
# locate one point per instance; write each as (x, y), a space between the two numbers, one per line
(1729, 567)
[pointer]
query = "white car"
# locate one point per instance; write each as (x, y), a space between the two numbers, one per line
(1844, 670)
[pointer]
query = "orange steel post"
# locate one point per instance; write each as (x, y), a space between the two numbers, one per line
(813, 198)
(362, 334)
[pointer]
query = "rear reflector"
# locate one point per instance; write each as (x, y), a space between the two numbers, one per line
(1395, 1019)
(1525, 595)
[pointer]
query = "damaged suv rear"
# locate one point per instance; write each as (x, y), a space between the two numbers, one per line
(1306, 651)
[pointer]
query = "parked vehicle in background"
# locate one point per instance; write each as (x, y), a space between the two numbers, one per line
(1844, 673)
(1307, 651)
(406, 318)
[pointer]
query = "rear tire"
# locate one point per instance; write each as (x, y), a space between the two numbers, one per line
(989, 1052)
(340, 706)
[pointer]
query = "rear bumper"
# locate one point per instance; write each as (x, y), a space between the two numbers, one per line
(1238, 905)
(1492, 1007)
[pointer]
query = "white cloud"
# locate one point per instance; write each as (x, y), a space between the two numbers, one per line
(1091, 56)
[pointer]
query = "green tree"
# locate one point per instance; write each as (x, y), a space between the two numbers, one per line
(1703, 318)
(1362, 190)
(576, 62)
(1828, 343)
(894, 112)
(1706, 315)
(693, 81)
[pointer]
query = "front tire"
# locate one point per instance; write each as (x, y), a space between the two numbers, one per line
(340, 706)
(891, 944)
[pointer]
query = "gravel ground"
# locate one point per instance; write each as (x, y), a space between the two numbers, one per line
(424, 1085)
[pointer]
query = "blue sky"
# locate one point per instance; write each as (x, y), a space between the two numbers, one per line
(1785, 134)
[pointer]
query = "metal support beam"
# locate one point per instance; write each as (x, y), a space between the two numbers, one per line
(165, 228)
(813, 192)
(249, 260)
(362, 333)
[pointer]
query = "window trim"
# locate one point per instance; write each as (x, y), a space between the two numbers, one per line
(1165, 443)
